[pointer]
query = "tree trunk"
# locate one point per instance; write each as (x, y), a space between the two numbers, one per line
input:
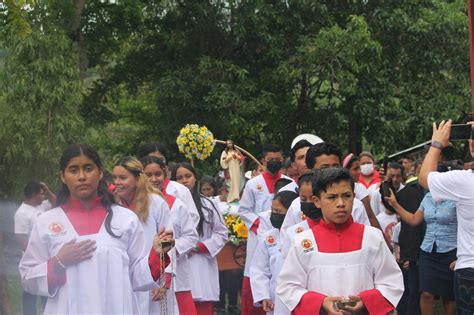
(354, 128)
(5, 305)
(78, 38)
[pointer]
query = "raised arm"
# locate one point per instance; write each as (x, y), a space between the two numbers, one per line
(439, 138)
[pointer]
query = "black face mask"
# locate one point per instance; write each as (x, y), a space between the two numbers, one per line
(273, 166)
(277, 219)
(311, 211)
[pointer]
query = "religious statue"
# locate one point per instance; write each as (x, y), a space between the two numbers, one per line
(231, 162)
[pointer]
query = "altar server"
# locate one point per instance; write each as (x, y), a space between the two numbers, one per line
(170, 187)
(339, 265)
(185, 235)
(88, 255)
(204, 273)
(257, 197)
(135, 192)
(266, 262)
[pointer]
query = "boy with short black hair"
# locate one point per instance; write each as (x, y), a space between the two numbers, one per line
(339, 265)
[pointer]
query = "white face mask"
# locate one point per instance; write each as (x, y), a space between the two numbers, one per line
(367, 169)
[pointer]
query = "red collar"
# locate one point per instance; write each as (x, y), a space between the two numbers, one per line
(169, 199)
(75, 205)
(375, 179)
(333, 226)
(165, 184)
(270, 180)
(130, 205)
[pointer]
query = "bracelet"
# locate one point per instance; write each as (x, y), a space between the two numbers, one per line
(59, 262)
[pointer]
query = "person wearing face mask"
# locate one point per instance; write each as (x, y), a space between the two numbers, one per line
(267, 261)
(369, 176)
(257, 197)
(308, 216)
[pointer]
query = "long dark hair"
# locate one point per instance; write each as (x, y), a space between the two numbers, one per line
(64, 194)
(197, 196)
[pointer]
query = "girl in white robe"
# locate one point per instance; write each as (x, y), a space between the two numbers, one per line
(212, 232)
(135, 191)
(185, 235)
(88, 255)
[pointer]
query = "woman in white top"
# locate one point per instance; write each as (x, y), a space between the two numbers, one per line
(135, 192)
(88, 254)
(212, 232)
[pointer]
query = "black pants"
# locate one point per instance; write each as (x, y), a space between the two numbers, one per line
(230, 284)
(29, 303)
(410, 301)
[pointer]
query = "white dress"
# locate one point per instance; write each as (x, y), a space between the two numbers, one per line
(103, 284)
(204, 274)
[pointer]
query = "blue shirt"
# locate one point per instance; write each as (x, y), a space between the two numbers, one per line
(441, 225)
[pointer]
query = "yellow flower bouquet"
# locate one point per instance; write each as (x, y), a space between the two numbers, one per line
(195, 141)
(237, 231)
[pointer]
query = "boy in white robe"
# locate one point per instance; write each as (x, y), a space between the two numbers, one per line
(339, 265)
(257, 197)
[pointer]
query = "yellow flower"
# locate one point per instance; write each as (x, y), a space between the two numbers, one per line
(241, 230)
(185, 130)
(192, 144)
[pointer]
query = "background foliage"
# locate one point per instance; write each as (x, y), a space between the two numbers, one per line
(362, 74)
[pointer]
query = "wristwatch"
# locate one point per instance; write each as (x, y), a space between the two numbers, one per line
(436, 144)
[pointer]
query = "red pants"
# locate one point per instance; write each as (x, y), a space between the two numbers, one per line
(185, 303)
(205, 308)
(247, 300)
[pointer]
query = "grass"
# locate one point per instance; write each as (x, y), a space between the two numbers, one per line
(14, 288)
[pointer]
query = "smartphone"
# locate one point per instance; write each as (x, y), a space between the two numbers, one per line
(386, 186)
(341, 305)
(165, 244)
(460, 132)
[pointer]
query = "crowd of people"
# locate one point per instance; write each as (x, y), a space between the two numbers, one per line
(327, 234)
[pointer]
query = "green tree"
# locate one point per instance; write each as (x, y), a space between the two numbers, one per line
(41, 94)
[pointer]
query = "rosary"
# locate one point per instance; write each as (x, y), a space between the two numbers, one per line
(163, 290)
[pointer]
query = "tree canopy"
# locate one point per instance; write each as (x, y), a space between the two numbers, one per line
(361, 74)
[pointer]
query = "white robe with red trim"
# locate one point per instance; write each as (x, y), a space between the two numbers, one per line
(186, 238)
(369, 271)
(264, 270)
(204, 273)
(256, 198)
